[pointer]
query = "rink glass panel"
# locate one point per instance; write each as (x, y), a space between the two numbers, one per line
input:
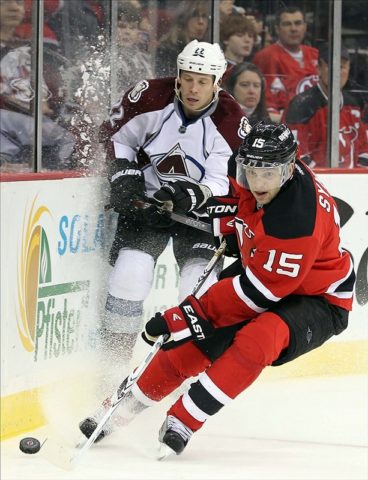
(81, 58)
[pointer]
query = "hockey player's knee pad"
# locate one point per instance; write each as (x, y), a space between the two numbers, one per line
(132, 275)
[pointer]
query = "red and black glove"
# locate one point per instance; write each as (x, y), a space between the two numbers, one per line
(185, 322)
(222, 211)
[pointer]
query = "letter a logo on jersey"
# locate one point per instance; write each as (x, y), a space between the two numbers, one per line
(176, 317)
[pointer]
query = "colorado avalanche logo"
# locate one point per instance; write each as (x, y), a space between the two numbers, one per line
(244, 128)
(175, 164)
(136, 92)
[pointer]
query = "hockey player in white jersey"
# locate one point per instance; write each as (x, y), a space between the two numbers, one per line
(167, 140)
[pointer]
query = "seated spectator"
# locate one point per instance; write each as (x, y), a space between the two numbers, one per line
(191, 24)
(237, 37)
(16, 94)
(307, 118)
(263, 35)
(50, 8)
(247, 85)
(78, 25)
(133, 63)
(16, 97)
(228, 9)
(288, 65)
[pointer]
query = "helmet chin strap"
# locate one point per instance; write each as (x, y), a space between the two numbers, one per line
(178, 96)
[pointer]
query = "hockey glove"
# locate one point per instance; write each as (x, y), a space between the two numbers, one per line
(222, 211)
(127, 186)
(183, 196)
(156, 218)
(185, 322)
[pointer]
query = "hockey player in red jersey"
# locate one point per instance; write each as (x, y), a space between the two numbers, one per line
(289, 66)
(168, 140)
(289, 292)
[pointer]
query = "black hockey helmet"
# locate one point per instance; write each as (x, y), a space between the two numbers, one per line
(267, 146)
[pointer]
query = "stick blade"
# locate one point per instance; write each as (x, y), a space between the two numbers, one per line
(57, 453)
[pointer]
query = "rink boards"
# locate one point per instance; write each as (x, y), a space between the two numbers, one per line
(55, 237)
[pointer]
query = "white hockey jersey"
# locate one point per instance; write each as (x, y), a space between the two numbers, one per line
(148, 125)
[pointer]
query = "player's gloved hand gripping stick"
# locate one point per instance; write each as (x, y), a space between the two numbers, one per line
(127, 384)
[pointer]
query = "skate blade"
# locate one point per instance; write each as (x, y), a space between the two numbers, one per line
(164, 452)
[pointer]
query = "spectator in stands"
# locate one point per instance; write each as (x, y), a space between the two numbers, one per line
(263, 35)
(133, 63)
(238, 37)
(247, 85)
(228, 9)
(50, 7)
(80, 24)
(288, 65)
(191, 24)
(307, 117)
(16, 95)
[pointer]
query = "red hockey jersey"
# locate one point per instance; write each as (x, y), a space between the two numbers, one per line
(285, 77)
(288, 247)
(306, 116)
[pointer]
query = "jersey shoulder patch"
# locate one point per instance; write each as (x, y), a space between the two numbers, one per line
(292, 214)
(148, 95)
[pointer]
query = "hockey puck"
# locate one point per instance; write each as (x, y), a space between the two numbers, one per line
(29, 445)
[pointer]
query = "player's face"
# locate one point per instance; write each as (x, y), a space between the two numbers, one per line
(239, 45)
(292, 29)
(196, 91)
(265, 183)
(11, 12)
(247, 90)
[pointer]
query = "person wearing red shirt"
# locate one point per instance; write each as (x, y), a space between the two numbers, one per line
(307, 116)
(290, 290)
(288, 65)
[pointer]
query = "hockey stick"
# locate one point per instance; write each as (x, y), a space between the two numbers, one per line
(177, 217)
(128, 383)
(119, 395)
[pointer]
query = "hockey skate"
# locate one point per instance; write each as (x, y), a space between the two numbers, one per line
(128, 409)
(89, 424)
(173, 437)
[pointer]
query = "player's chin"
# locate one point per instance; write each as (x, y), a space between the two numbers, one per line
(261, 197)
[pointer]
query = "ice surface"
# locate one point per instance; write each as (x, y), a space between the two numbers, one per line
(301, 429)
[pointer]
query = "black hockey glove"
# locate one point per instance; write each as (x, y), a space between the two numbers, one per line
(185, 322)
(222, 211)
(127, 186)
(183, 196)
(155, 217)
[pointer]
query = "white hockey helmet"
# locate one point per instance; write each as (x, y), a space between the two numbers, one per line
(202, 57)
